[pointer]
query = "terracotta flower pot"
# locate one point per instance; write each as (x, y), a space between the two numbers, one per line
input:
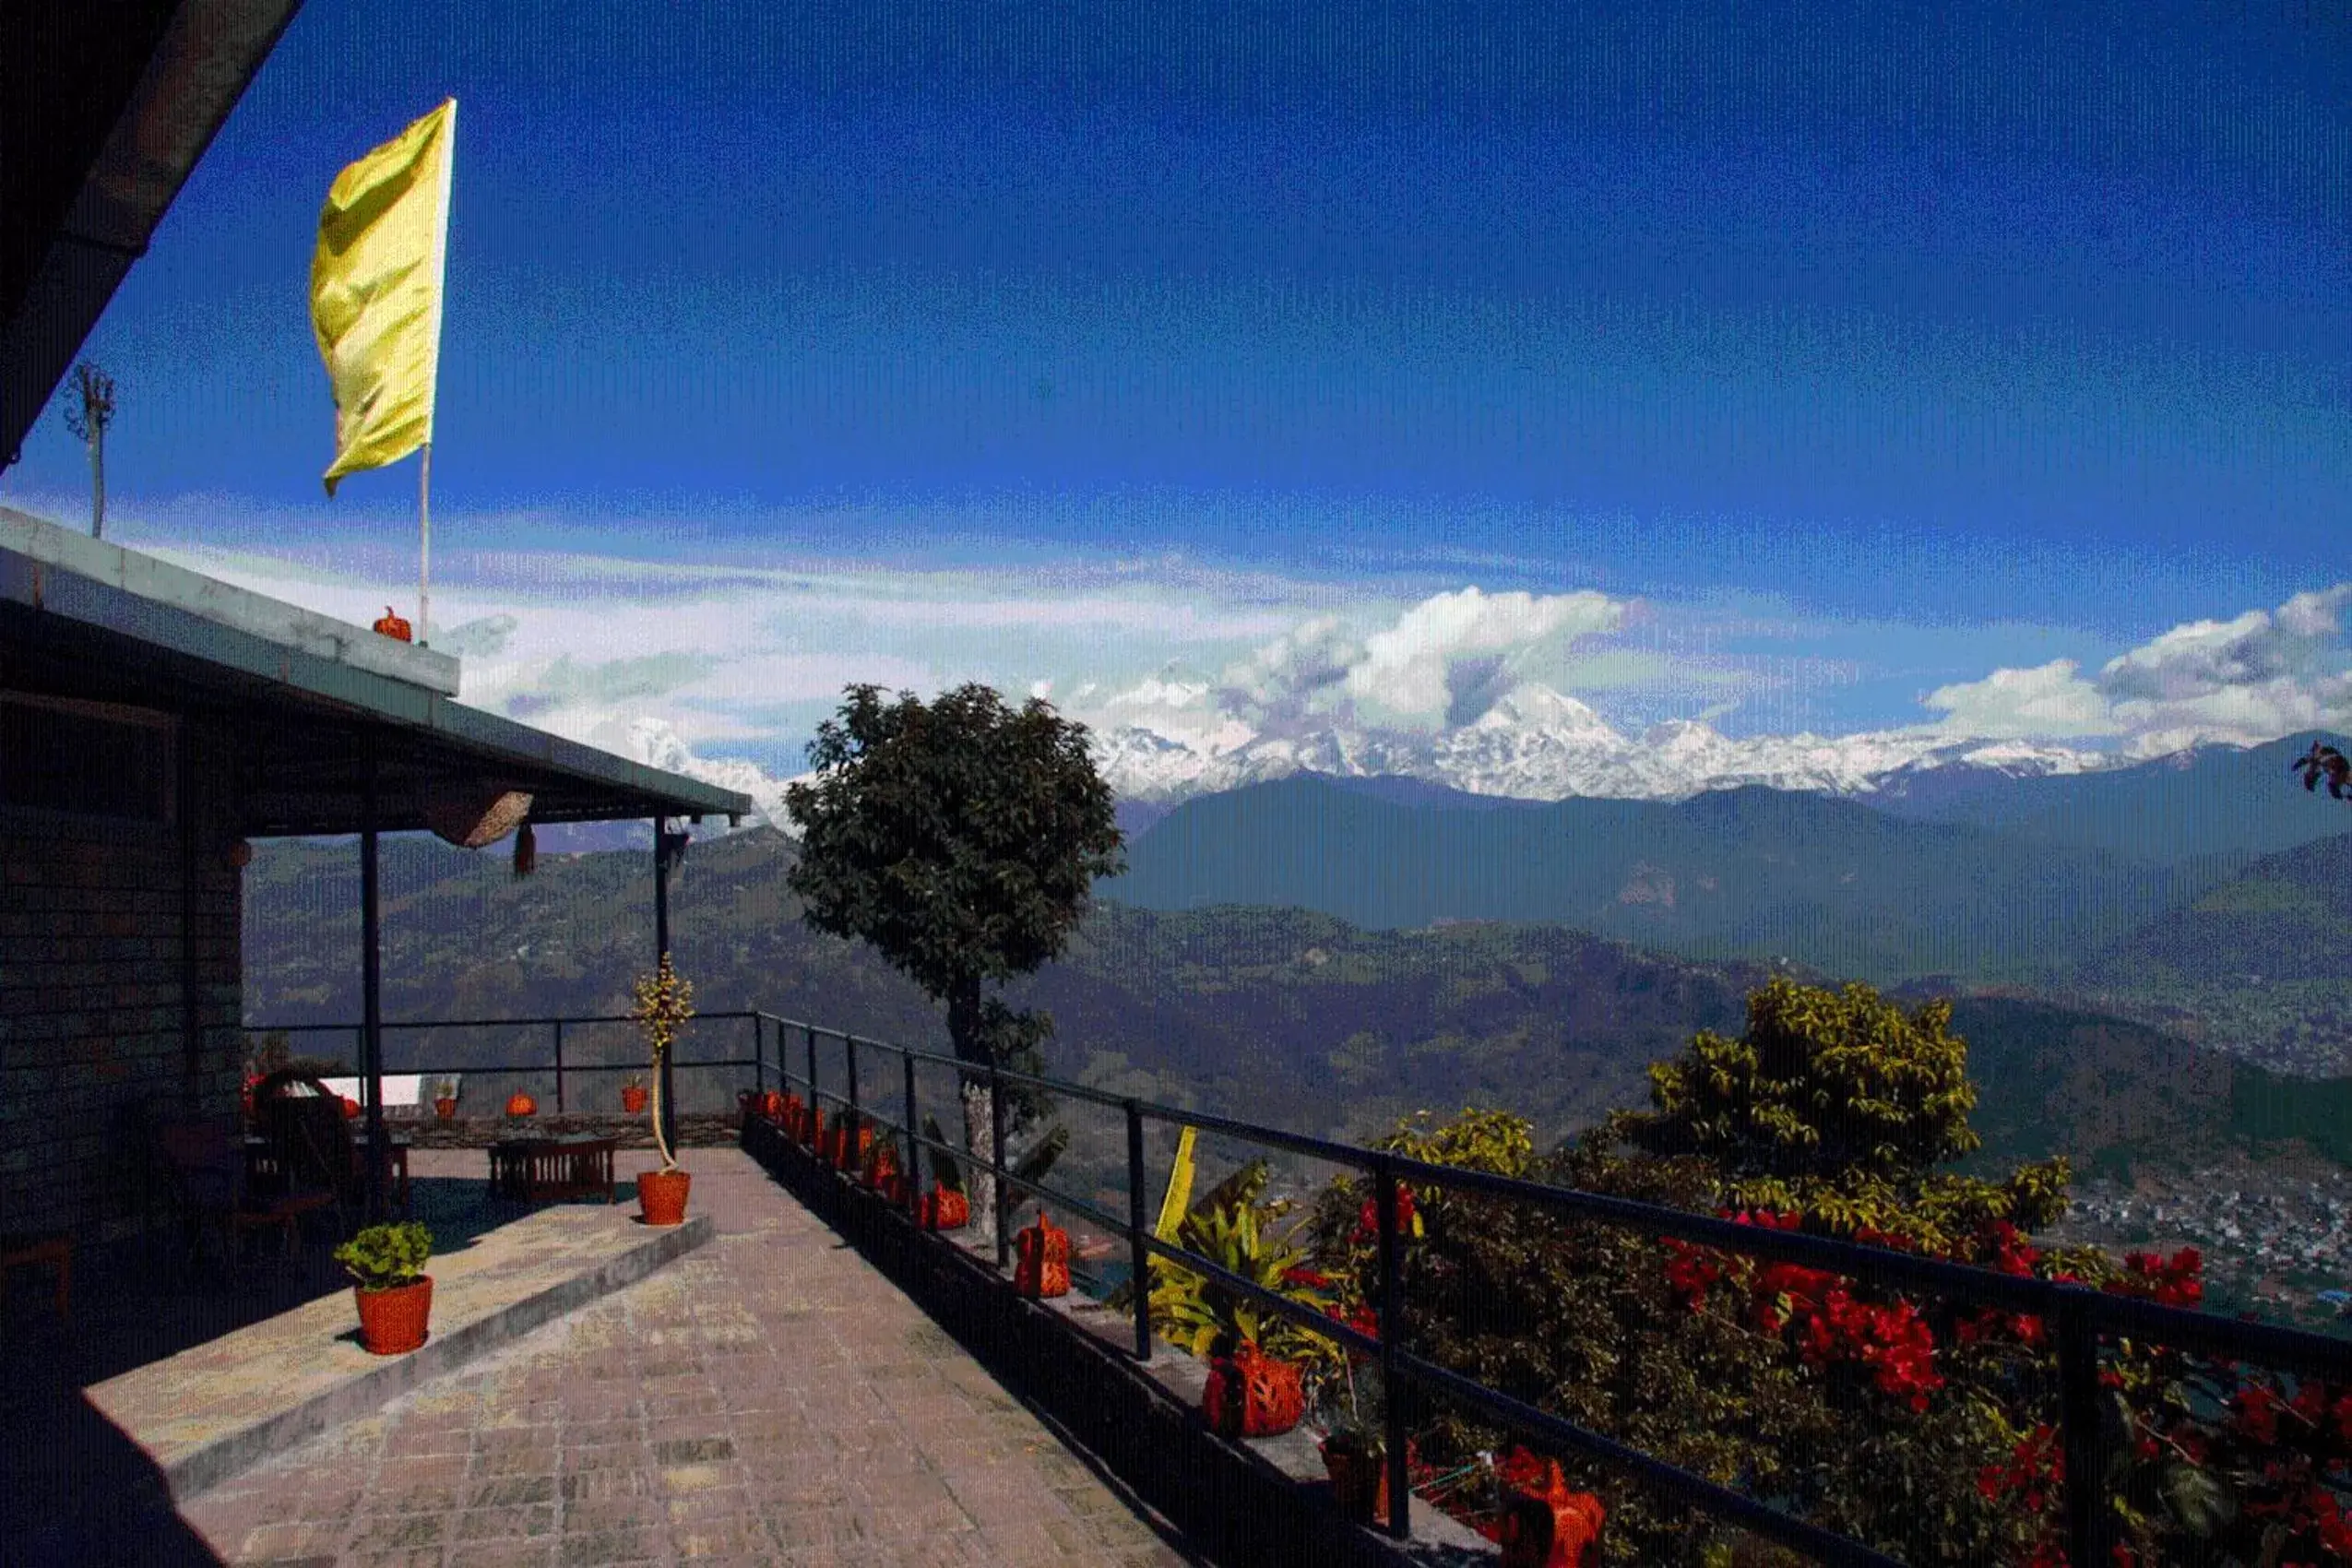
(521, 1105)
(1550, 1530)
(392, 1321)
(1251, 1395)
(940, 1210)
(1359, 1478)
(771, 1105)
(1042, 1268)
(661, 1197)
(351, 1108)
(633, 1100)
(844, 1154)
(881, 1164)
(444, 1109)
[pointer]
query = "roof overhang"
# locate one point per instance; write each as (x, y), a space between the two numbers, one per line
(314, 705)
(105, 106)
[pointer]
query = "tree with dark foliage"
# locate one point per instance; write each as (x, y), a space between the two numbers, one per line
(961, 840)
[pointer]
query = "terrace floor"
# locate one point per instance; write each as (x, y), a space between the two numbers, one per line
(767, 1398)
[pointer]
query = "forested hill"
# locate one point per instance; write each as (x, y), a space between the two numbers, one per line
(1281, 1015)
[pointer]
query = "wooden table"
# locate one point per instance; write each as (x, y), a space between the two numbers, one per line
(575, 1165)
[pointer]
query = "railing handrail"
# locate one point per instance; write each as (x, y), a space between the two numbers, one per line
(2078, 1313)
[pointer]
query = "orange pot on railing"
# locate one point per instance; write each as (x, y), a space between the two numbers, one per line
(789, 1114)
(521, 1105)
(940, 1210)
(1042, 1266)
(881, 1164)
(1551, 1530)
(351, 1108)
(1252, 1395)
(771, 1105)
(632, 1100)
(843, 1149)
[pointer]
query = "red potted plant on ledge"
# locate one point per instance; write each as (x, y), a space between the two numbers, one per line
(444, 1100)
(394, 1292)
(665, 1002)
(633, 1094)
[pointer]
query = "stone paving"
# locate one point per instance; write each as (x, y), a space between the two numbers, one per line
(767, 1399)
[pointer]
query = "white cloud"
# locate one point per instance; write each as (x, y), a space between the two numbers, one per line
(2049, 701)
(2241, 681)
(1449, 657)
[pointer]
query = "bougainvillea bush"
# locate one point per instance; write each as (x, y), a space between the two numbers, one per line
(1926, 1428)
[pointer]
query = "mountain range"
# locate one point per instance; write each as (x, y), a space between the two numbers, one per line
(1284, 1015)
(1172, 739)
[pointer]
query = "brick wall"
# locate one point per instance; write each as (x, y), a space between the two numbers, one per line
(94, 994)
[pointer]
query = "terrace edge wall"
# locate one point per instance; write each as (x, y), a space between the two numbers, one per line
(1234, 1505)
(111, 931)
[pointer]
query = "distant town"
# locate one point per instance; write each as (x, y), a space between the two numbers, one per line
(2274, 1238)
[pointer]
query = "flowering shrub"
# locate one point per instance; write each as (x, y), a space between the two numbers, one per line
(1927, 1429)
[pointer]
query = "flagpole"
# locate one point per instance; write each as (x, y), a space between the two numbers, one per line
(424, 528)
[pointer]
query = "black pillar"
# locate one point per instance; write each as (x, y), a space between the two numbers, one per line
(664, 848)
(371, 997)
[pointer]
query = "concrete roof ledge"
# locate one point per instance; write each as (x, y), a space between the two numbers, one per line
(287, 624)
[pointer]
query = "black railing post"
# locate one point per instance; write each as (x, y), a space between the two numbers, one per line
(849, 1061)
(759, 1054)
(2078, 1407)
(1138, 1255)
(1392, 1322)
(559, 1066)
(996, 1161)
(906, 1060)
(810, 1029)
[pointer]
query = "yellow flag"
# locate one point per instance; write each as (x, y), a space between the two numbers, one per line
(1179, 1188)
(375, 293)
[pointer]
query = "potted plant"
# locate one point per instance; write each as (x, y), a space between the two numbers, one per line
(394, 1293)
(633, 1094)
(664, 1003)
(519, 1105)
(1355, 1444)
(1550, 1527)
(444, 1100)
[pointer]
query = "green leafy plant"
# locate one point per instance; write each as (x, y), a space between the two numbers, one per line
(383, 1257)
(1233, 1227)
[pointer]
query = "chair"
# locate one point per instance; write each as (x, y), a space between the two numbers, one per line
(203, 1163)
(311, 1149)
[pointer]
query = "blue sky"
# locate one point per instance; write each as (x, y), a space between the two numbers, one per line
(1848, 359)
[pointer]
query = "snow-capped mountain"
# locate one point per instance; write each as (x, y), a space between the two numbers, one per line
(1531, 743)
(656, 745)
(1535, 744)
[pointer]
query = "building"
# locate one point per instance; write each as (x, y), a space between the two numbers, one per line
(153, 720)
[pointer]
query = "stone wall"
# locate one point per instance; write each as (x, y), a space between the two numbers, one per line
(116, 934)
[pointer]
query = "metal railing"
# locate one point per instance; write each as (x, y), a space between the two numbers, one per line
(560, 1067)
(2079, 1312)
